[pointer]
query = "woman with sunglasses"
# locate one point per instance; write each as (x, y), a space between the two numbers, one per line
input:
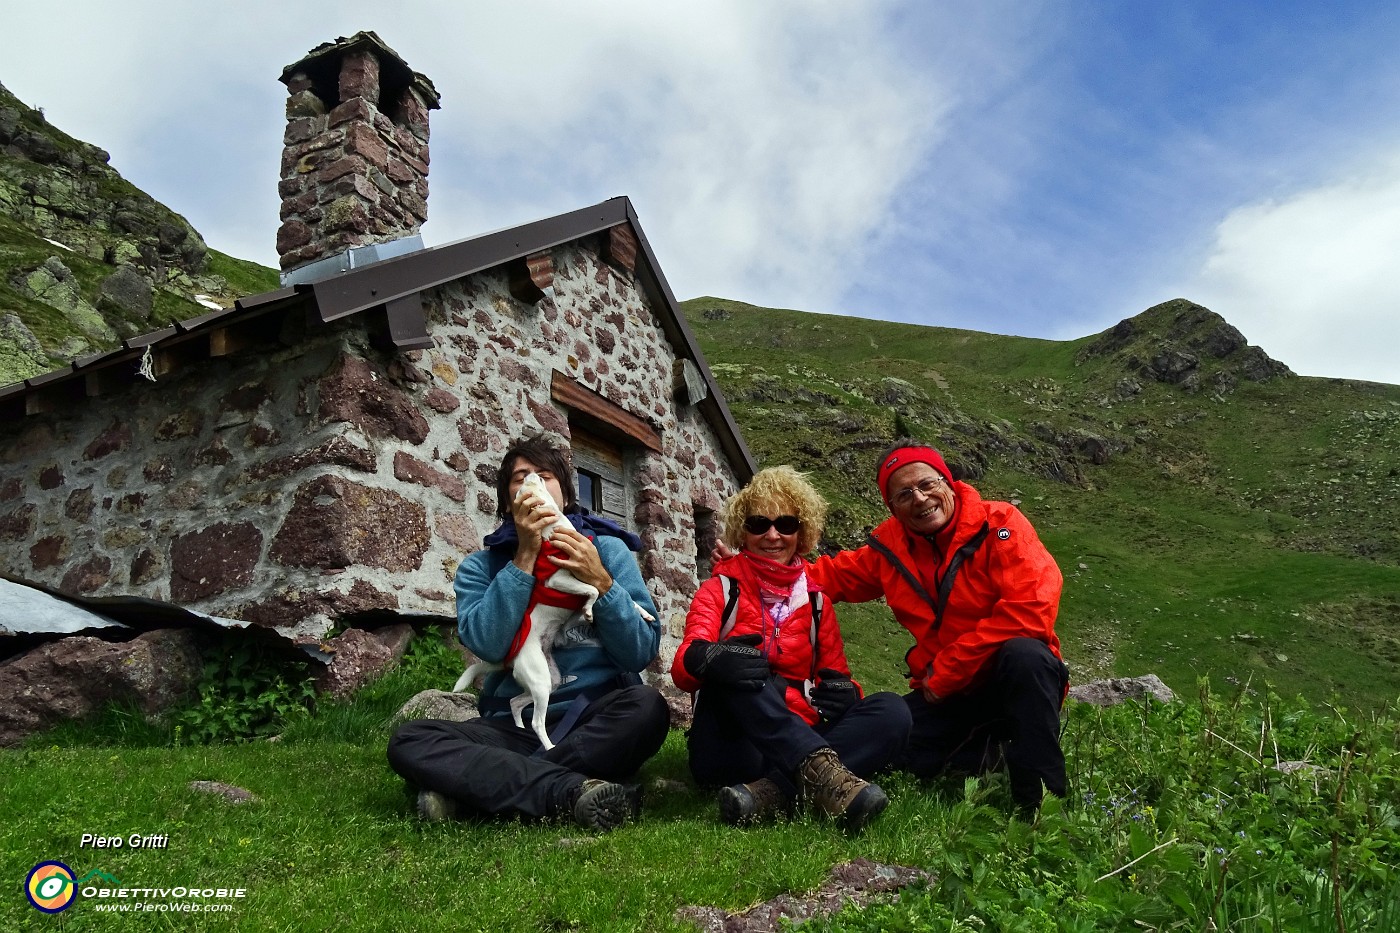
(777, 716)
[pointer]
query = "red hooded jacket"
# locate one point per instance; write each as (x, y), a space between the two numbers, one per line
(788, 648)
(1009, 587)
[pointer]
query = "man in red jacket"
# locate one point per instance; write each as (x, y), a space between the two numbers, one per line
(970, 580)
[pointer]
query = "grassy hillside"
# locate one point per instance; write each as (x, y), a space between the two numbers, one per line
(1222, 525)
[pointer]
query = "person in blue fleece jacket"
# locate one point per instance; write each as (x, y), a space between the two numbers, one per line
(604, 722)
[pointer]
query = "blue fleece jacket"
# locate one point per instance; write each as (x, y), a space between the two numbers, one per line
(493, 593)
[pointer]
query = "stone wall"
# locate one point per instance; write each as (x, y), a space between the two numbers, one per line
(290, 486)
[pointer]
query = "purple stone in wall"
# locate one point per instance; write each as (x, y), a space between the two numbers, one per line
(334, 523)
(91, 574)
(115, 438)
(351, 391)
(208, 562)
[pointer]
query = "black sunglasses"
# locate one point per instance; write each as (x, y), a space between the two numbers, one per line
(759, 524)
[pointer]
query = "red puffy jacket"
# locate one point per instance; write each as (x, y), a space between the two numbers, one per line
(788, 648)
(1008, 587)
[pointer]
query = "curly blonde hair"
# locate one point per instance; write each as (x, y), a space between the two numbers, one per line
(779, 490)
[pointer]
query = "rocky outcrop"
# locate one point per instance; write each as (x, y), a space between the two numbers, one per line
(1122, 689)
(89, 245)
(359, 657)
(438, 704)
(75, 677)
(1183, 344)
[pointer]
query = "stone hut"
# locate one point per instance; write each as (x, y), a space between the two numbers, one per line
(330, 447)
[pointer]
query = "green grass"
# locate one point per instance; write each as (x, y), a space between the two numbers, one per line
(1234, 536)
(1175, 819)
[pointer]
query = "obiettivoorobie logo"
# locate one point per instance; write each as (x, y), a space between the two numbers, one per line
(50, 887)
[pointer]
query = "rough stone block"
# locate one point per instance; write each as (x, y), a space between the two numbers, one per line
(362, 140)
(459, 531)
(115, 438)
(291, 607)
(91, 574)
(218, 558)
(335, 523)
(354, 109)
(74, 677)
(410, 469)
(359, 76)
(48, 552)
(292, 235)
(18, 523)
(352, 391)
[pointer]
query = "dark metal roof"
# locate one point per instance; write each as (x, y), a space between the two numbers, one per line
(385, 285)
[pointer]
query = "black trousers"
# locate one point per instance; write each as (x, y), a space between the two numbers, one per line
(739, 736)
(489, 765)
(1012, 715)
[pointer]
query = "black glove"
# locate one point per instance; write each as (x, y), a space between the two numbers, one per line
(834, 694)
(735, 662)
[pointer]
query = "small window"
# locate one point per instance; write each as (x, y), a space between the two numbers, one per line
(602, 477)
(590, 490)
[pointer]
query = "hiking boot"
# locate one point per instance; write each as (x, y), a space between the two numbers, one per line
(752, 803)
(604, 806)
(828, 785)
(435, 808)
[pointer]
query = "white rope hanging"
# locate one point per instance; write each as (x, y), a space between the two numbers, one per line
(147, 363)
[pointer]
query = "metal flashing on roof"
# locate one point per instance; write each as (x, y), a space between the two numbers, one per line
(255, 302)
(356, 257)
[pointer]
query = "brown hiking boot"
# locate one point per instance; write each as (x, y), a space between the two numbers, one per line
(829, 786)
(752, 803)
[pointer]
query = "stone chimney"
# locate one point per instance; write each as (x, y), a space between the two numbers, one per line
(355, 163)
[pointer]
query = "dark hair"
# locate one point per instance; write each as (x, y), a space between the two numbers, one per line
(544, 455)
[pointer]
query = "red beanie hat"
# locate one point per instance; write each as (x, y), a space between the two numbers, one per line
(905, 456)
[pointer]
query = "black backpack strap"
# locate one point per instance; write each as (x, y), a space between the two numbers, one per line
(818, 603)
(730, 588)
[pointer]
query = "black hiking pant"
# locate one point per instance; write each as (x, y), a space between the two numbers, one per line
(1011, 716)
(490, 766)
(739, 736)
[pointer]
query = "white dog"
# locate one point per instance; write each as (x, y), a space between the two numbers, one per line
(533, 667)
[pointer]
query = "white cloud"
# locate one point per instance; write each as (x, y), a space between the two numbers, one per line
(762, 144)
(1313, 277)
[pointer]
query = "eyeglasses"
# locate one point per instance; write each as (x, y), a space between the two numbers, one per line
(759, 524)
(925, 488)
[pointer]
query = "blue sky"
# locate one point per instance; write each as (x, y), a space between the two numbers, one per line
(1042, 169)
